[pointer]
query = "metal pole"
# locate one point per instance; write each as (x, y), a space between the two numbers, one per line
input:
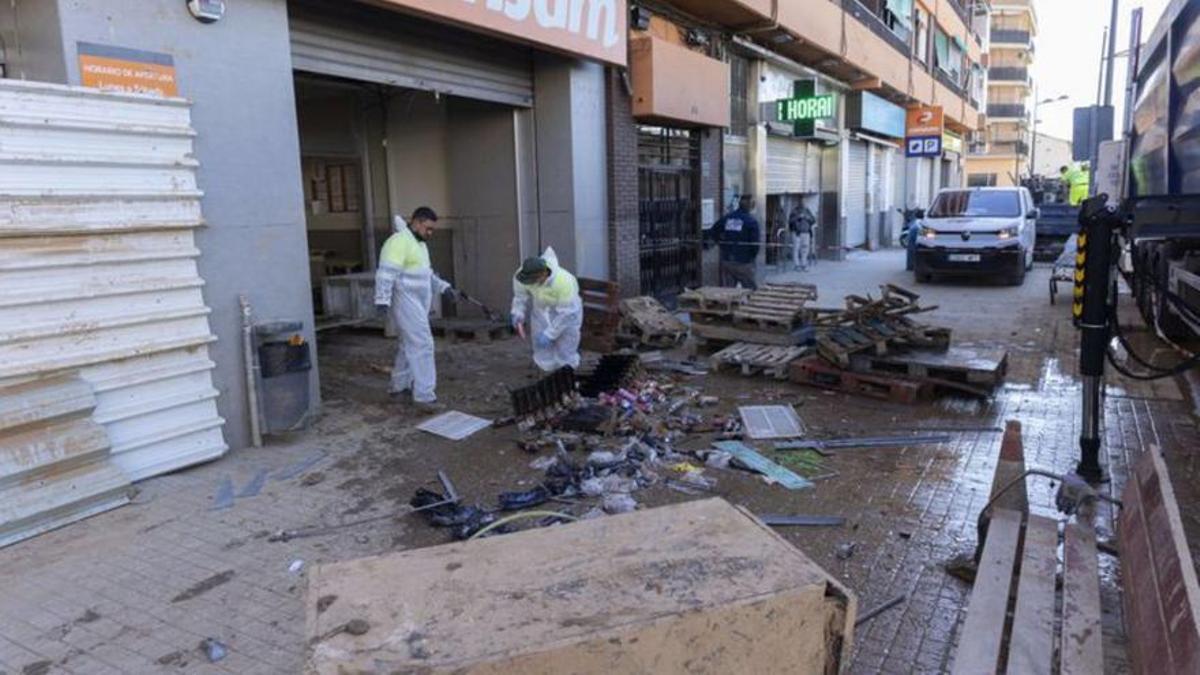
(1037, 102)
(1091, 311)
(1112, 53)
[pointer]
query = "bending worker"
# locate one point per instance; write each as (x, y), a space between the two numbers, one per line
(406, 284)
(556, 315)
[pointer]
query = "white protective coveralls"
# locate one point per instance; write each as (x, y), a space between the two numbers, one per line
(556, 316)
(406, 283)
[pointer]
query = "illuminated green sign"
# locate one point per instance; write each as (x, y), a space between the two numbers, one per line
(810, 108)
(805, 107)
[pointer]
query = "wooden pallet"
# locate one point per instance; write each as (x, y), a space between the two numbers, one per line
(776, 307)
(713, 301)
(725, 333)
(837, 345)
(753, 359)
(469, 330)
(645, 321)
(816, 372)
(976, 367)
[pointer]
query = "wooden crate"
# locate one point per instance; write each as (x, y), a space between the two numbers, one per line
(752, 359)
(601, 315)
(700, 587)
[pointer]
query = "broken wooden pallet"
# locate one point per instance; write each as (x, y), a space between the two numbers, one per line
(645, 321)
(469, 330)
(816, 372)
(713, 301)
(984, 368)
(725, 334)
(601, 314)
(755, 359)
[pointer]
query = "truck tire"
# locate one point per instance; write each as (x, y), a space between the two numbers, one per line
(1143, 288)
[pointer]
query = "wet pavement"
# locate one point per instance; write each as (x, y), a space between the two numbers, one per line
(137, 589)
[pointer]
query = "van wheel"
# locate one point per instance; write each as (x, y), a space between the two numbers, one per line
(1018, 277)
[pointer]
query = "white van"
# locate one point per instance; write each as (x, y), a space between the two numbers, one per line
(982, 232)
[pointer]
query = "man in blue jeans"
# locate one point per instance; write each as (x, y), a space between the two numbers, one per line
(738, 236)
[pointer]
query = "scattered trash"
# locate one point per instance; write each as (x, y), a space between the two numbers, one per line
(454, 425)
(962, 566)
(845, 551)
(515, 501)
(439, 511)
(544, 462)
(718, 459)
(904, 534)
(771, 421)
(311, 479)
(296, 566)
(876, 611)
(802, 521)
(214, 650)
(708, 401)
(749, 458)
(618, 503)
(352, 627)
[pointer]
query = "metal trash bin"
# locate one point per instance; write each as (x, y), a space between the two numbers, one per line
(284, 361)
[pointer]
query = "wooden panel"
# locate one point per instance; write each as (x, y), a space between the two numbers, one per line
(601, 314)
(584, 598)
(1082, 642)
(979, 645)
(1161, 597)
(1031, 646)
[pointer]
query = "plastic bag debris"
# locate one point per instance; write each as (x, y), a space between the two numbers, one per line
(515, 501)
(618, 503)
(214, 650)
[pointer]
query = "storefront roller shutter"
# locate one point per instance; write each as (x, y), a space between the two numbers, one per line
(856, 195)
(786, 166)
(384, 47)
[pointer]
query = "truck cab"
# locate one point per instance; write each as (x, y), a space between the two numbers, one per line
(978, 232)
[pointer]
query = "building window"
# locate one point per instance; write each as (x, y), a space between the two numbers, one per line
(922, 44)
(981, 180)
(978, 84)
(948, 55)
(334, 187)
(897, 16)
(958, 53)
(739, 95)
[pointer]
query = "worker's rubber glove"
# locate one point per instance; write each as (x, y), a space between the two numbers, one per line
(518, 324)
(542, 341)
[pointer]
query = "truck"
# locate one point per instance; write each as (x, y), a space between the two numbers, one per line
(1161, 183)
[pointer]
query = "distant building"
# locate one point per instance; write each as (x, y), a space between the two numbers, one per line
(1052, 153)
(1002, 156)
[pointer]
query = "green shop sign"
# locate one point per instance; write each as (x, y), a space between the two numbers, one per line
(805, 107)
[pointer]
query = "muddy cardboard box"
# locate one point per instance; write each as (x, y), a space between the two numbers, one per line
(701, 587)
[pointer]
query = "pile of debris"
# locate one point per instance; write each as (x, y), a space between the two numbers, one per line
(871, 347)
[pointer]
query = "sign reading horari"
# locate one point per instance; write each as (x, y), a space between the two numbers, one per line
(594, 29)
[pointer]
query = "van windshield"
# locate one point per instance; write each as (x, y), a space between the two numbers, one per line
(976, 203)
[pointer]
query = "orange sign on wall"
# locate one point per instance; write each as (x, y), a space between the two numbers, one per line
(925, 120)
(129, 70)
(595, 29)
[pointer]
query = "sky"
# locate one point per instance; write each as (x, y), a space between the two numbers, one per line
(1067, 57)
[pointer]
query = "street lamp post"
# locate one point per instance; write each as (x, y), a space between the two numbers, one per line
(1037, 104)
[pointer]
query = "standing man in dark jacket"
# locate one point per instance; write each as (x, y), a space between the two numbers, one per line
(738, 236)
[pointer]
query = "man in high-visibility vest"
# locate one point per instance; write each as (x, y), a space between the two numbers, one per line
(1077, 182)
(406, 284)
(548, 296)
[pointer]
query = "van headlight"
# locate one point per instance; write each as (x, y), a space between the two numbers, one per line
(928, 232)
(1008, 233)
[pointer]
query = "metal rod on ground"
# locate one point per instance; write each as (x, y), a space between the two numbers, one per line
(251, 368)
(872, 613)
(875, 442)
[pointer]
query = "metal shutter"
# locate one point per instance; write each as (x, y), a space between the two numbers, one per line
(372, 45)
(105, 375)
(856, 195)
(786, 164)
(812, 169)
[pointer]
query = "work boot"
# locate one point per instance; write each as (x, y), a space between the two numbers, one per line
(428, 407)
(400, 395)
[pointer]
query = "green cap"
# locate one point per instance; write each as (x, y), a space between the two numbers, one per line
(531, 269)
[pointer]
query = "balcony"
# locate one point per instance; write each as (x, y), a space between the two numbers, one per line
(1006, 110)
(1008, 36)
(874, 15)
(1006, 74)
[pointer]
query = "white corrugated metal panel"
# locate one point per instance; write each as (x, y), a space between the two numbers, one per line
(855, 202)
(98, 275)
(366, 44)
(55, 465)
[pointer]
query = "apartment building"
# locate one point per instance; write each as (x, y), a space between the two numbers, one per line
(1002, 154)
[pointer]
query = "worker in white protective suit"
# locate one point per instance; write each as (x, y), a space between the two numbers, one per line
(548, 296)
(406, 284)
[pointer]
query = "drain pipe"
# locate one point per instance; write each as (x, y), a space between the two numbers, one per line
(251, 368)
